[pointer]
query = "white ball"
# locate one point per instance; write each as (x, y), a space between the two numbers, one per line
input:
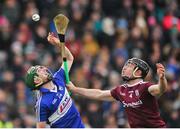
(35, 17)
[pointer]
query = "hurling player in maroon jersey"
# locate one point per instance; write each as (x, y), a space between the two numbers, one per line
(138, 97)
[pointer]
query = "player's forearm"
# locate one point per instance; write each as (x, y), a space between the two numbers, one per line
(96, 94)
(162, 84)
(88, 93)
(68, 54)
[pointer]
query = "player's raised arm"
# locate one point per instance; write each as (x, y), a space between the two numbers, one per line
(55, 41)
(96, 94)
(160, 88)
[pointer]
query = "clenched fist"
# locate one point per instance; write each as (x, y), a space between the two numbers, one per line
(52, 39)
(71, 86)
(160, 70)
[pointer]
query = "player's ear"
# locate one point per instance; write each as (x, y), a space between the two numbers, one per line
(137, 72)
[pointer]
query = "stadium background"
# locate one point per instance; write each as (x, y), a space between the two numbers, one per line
(102, 35)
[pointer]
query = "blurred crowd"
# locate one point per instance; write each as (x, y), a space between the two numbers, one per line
(102, 35)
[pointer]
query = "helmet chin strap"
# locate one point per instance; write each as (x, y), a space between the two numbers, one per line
(125, 78)
(42, 83)
(49, 79)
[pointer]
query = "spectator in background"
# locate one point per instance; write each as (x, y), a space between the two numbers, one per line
(11, 10)
(5, 122)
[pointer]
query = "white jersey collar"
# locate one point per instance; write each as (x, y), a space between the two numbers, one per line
(128, 85)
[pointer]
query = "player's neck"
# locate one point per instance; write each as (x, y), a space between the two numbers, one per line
(132, 83)
(48, 85)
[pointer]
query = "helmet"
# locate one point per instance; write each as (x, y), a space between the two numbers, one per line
(31, 74)
(140, 64)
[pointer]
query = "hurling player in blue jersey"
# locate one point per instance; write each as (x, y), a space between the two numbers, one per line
(54, 106)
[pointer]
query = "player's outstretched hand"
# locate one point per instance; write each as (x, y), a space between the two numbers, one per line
(52, 39)
(71, 86)
(160, 70)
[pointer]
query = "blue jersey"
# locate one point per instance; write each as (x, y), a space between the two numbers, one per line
(56, 106)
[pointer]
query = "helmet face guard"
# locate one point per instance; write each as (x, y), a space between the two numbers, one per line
(32, 74)
(140, 65)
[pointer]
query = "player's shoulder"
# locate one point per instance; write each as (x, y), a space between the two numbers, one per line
(118, 88)
(146, 83)
(59, 75)
(59, 72)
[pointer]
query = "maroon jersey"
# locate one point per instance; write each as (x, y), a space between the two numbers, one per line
(140, 106)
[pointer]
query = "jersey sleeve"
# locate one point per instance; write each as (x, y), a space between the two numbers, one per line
(60, 74)
(115, 92)
(41, 112)
(146, 86)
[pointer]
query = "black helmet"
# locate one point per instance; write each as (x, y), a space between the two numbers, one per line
(142, 65)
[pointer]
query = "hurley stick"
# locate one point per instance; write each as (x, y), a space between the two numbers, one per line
(61, 23)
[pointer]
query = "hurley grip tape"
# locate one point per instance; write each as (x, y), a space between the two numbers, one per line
(62, 38)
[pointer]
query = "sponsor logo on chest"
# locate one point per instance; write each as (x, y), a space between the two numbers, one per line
(131, 99)
(65, 103)
(134, 104)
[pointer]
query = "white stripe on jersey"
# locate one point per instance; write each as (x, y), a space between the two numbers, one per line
(38, 107)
